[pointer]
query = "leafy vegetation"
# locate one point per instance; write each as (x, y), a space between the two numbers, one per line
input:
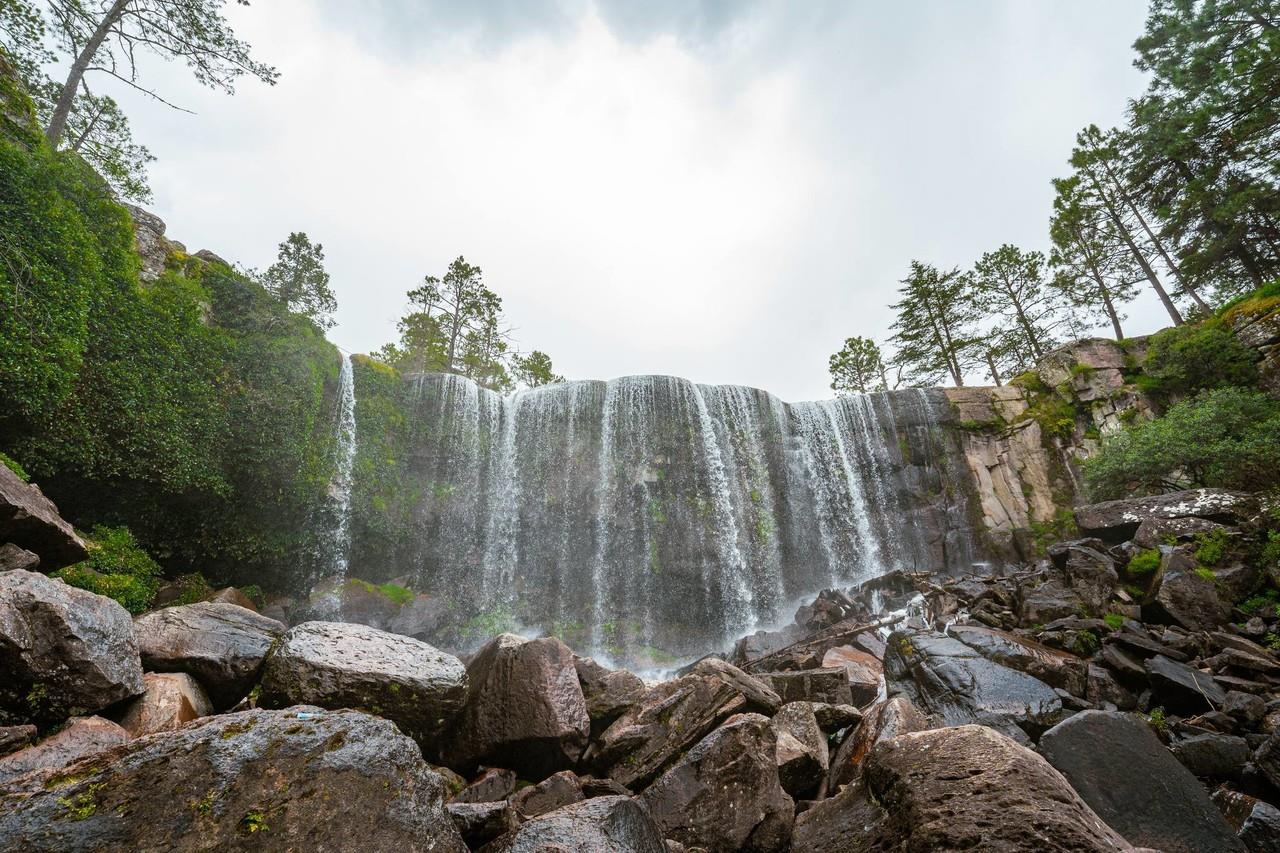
(1144, 562)
(17, 469)
(1185, 359)
(1224, 438)
(116, 568)
(1114, 621)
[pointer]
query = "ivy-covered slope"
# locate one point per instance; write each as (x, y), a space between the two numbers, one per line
(195, 410)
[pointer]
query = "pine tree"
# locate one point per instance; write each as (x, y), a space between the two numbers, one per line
(299, 280)
(935, 332)
(1009, 287)
(857, 368)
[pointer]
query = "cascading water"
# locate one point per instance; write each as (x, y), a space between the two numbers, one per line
(650, 516)
(336, 539)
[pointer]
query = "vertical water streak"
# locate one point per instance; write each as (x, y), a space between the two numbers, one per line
(604, 506)
(338, 537)
(501, 552)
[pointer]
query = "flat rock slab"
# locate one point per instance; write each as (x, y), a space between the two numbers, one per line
(1120, 768)
(828, 684)
(724, 795)
(613, 824)
(299, 779)
(971, 788)
(608, 692)
(1053, 667)
(83, 737)
(340, 665)
(222, 645)
(524, 709)
(865, 671)
(1183, 689)
(30, 520)
(172, 699)
(63, 651)
(1118, 521)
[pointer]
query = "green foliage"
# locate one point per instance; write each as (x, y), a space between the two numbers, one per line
(534, 370)
(1086, 643)
(1056, 416)
(490, 623)
(1206, 574)
(192, 587)
(116, 568)
(1009, 286)
(1223, 438)
(391, 591)
(1157, 720)
(1272, 641)
(1114, 621)
(1185, 359)
(1144, 562)
(1270, 555)
(17, 469)
(857, 368)
(935, 332)
(1211, 547)
(1263, 604)
(299, 280)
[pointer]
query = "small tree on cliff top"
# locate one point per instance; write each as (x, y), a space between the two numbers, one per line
(857, 368)
(298, 279)
(935, 332)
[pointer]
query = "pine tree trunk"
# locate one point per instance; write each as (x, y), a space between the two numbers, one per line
(1140, 258)
(67, 97)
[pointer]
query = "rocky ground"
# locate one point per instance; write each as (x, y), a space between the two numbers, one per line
(1121, 694)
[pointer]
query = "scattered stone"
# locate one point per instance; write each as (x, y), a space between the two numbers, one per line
(758, 694)
(63, 651)
(670, 719)
(1256, 823)
(1245, 708)
(724, 794)
(1120, 768)
(833, 718)
(341, 665)
(1101, 689)
(1051, 599)
(943, 676)
(222, 645)
(13, 558)
(1267, 758)
(847, 822)
(172, 699)
(825, 684)
(606, 787)
(1212, 756)
(299, 779)
(884, 721)
(1090, 573)
(555, 792)
(30, 520)
(865, 671)
(1181, 689)
(14, 738)
(971, 788)
(524, 708)
(84, 736)
(608, 692)
(613, 824)
(802, 749)
(493, 784)
(478, 823)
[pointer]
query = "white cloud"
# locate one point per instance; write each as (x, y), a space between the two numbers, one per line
(726, 210)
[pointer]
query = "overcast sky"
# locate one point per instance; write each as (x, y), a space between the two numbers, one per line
(722, 191)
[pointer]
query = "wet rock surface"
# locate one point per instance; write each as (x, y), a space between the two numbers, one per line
(82, 737)
(63, 651)
(616, 824)
(223, 646)
(170, 700)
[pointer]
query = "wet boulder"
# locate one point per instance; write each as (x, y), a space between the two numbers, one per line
(847, 822)
(493, 784)
(83, 737)
(14, 738)
(30, 521)
(1045, 600)
(1089, 570)
(63, 651)
(614, 824)
(943, 676)
(478, 823)
(864, 669)
(1181, 688)
(828, 684)
(1185, 598)
(971, 788)
(300, 779)
(671, 718)
(724, 794)
(1120, 768)
(223, 646)
(760, 697)
(1118, 521)
(524, 709)
(802, 753)
(172, 699)
(883, 721)
(1212, 755)
(608, 692)
(342, 665)
(554, 792)
(1256, 823)
(833, 718)
(1053, 667)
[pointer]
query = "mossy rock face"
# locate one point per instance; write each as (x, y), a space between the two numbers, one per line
(301, 778)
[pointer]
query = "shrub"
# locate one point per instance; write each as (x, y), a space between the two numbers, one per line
(1211, 547)
(1186, 359)
(1114, 621)
(116, 568)
(191, 588)
(1225, 438)
(1144, 562)
(15, 468)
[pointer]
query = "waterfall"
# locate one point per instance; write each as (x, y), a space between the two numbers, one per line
(649, 516)
(337, 538)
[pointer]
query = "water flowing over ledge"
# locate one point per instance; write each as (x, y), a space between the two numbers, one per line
(651, 516)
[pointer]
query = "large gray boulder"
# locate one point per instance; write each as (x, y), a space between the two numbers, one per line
(724, 795)
(1185, 598)
(524, 709)
(1118, 521)
(341, 665)
(222, 645)
(612, 824)
(665, 723)
(945, 677)
(300, 779)
(847, 822)
(84, 736)
(802, 753)
(1120, 768)
(1053, 667)
(971, 788)
(63, 651)
(608, 692)
(30, 520)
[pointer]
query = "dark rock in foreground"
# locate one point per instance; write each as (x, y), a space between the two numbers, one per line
(63, 651)
(971, 788)
(301, 779)
(222, 645)
(30, 520)
(724, 795)
(1134, 783)
(613, 824)
(341, 665)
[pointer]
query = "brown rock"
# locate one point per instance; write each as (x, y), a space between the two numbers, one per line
(827, 684)
(971, 788)
(13, 557)
(883, 721)
(607, 692)
(524, 708)
(601, 825)
(478, 823)
(865, 671)
(172, 699)
(848, 822)
(14, 738)
(724, 794)
(30, 520)
(85, 736)
(760, 697)
(231, 595)
(802, 749)
(493, 784)
(555, 792)
(1053, 667)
